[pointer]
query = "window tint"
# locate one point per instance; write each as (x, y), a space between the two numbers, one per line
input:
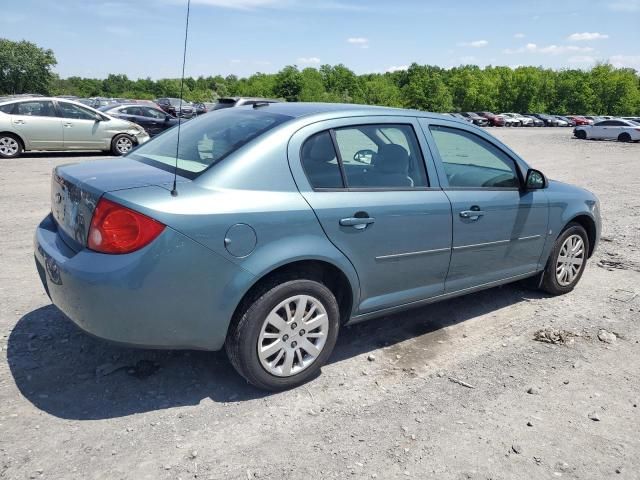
(381, 156)
(69, 110)
(41, 108)
(470, 161)
(8, 108)
(320, 162)
(133, 111)
(153, 113)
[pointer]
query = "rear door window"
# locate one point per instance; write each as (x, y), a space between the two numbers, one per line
(320, 162)
(39, 108)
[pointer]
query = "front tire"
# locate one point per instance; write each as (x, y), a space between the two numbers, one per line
(121, 144)
(624, 137)
(567, 261)
(282, 336)
(10, 146)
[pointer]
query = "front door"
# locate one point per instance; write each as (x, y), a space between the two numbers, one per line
(369, 189)
(499, 229)
(81, 128)
(37, 123)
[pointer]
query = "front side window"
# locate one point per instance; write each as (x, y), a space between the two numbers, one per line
(70, 110)
(40, 108)
(472, 162)
(206, 140)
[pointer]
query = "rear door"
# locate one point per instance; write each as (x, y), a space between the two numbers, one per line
(81, 128)
(369, 188)
(36, 122)
(499, 229)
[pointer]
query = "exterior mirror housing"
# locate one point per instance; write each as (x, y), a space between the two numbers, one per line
(167, 118)
(535, 180)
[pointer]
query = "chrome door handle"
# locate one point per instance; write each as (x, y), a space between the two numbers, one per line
(67, 125)
(19, 122)
(357, 223)
(471, 214)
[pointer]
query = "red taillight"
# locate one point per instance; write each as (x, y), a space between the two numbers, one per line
(117, 229)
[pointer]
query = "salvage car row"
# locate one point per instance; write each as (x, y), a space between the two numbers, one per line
(57, 123)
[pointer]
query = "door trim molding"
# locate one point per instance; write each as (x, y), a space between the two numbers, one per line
(412, 254)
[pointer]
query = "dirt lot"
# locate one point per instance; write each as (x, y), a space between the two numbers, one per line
(72, 406)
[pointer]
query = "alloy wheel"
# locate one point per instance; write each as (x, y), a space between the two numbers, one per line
(9, 146)
(570, 260)
(124, 144)
(293, 335)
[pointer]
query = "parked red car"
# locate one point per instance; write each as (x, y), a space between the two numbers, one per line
(494, 120)
(580, 120)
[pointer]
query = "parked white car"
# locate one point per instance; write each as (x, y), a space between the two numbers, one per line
(43, 123)
(520, 120)
(619, 129)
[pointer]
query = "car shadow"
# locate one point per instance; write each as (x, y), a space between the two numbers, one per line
(65, 154)
(70, 374)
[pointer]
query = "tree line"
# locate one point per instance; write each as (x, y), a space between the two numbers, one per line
(601, 90)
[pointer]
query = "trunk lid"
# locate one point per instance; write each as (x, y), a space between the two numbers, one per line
(76, 189)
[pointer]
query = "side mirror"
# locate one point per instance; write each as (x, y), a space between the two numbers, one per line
(167, 118)
(535, 180)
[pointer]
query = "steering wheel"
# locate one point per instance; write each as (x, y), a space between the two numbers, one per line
(361, 155)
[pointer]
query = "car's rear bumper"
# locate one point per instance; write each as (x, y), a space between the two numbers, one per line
(174, 293)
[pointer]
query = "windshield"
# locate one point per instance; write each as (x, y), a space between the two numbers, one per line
(206, 140)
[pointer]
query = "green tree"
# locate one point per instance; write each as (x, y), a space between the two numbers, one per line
(25, 67)
(288, 84)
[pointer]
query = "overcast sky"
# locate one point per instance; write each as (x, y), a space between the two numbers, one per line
(145, 37)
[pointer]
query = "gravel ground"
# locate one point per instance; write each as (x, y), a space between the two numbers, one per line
(455, 390)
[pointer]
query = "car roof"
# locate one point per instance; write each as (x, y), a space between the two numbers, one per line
(304, 109)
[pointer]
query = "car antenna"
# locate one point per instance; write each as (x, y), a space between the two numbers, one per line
(174, 190)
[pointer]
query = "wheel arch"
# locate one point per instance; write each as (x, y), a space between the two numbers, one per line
(14, 134)
(590, 226)
(327, 273)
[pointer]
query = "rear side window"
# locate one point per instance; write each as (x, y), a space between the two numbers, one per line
(365, 156)
(8, 108)
(472, 162)
(39, 108)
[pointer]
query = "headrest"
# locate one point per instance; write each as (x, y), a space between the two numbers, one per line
(392, 158)
(319, 149)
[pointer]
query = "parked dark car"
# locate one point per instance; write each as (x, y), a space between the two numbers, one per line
(200, 108)
(548, 120)
(153, 120)
(476, 119)
(176, 107)
(459, 116)
(536, 121)
(228, 102)
(494, 120)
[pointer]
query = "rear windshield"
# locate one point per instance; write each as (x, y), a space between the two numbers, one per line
(206, 140)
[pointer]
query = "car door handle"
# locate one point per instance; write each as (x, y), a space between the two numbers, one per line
(471, 214)
(19, 122)
(67, 125)
(357, 223)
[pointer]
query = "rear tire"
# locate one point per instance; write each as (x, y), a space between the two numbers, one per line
(567, 261)
(267, 342)
(581, 134)
(10, 146)
(121, 144)
(624, 137)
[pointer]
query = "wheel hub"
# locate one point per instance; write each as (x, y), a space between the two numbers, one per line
(302, 316)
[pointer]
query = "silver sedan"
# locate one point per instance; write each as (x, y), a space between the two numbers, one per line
(42, 123)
